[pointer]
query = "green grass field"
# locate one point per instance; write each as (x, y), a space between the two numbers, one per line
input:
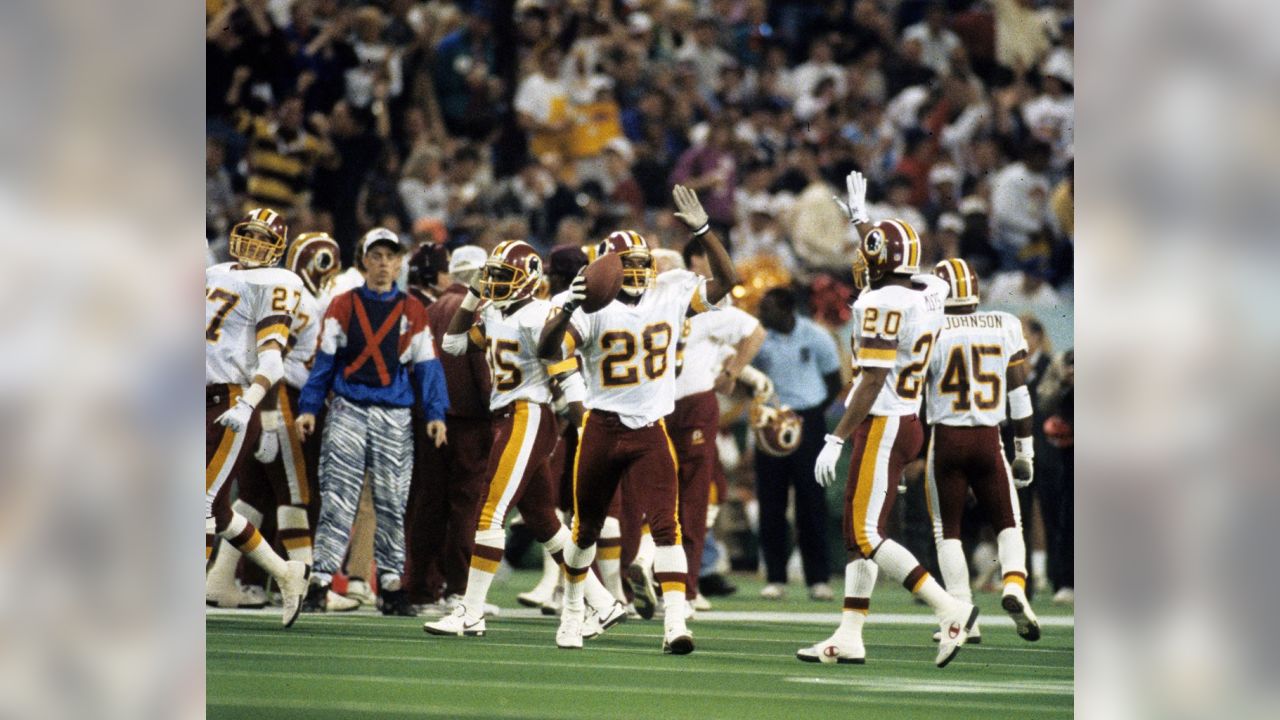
(360, 665)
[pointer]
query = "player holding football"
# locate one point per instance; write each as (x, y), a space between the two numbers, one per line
(249, 307)
(974, 355)
(628, 349)
(897, 319)
(525, 431)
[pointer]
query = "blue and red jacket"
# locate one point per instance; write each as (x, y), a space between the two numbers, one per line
(376, 349)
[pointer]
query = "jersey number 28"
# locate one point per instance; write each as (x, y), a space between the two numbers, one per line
(618, 369)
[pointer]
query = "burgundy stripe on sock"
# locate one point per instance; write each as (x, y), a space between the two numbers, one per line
(664, 577)
(573, 572)
(609, 542)
(487, 553)
(244, 537)
(913, 577)
(857, 603)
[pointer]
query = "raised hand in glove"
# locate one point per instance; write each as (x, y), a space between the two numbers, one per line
(689, 209)
(856, 206)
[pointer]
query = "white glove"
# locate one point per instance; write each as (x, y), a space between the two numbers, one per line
(764, 389)
(824, 471)
(577, 292)
(1023, 465)
(269, 442)
(856, 207)
(237, 418)
(690, 210)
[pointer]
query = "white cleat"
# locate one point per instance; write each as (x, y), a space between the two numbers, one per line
(845, 651)
(700, 603)
(457, 624)
(556, 605)
(340, 603)
(954, 631)
(677, 640)
(293, 588)
(975, 635)
(1015, 603)
(591, 628)
(773, 591)
(232, 596)
(537, 597)
(614, 614)
(569, 634)
(253, 596)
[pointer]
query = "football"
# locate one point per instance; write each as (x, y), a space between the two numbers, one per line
(604, 280)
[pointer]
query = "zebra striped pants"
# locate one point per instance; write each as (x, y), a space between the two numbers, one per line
(359, 438)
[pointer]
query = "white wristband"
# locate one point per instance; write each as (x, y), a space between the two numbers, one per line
(471, 301)
(1024, 447)
(833, 439)
(253, 395)
(706, 226)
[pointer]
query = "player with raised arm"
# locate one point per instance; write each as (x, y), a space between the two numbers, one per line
(249, 307)
(628, 349)
(506, 330)
(896, 319)
(975, 355)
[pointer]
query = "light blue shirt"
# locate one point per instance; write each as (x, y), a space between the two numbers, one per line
(797, 363)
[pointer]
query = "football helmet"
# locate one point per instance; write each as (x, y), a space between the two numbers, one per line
(314, 257)
(426, 263)
(777, 429)
(511, 273)
(639, 272)
(891, 247)
(962, 279)
(258, 240)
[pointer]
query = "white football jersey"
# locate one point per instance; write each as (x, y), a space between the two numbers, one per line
(629, 351)
(896, 327)
(511, 348)
(707, 341)
(304, 336)
(243, 309)
(966, 374)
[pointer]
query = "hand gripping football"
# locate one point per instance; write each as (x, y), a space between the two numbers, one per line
(604, 280)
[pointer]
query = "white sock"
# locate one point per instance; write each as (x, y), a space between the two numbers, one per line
(859, 581)
(1013, 556)
(671, 570)
(577, 567)
(550, 574)
(609, 557)
(647, 549)
(1039, 565)
(223, 571)
(295, 532)
(955, 569)
(485, 557)
(253, 546)
(903, 567)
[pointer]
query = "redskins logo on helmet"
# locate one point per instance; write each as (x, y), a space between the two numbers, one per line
(777, 429)
(890, 247)
(259, 238)
(511, 273)
(639, 273)
(314, 257)
(962, 279)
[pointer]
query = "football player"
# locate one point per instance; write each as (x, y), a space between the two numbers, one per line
(976, 354)
(249, 307)
(896, 319)
(282, 476)
(628, 350)
(713, 351)
(525, 430)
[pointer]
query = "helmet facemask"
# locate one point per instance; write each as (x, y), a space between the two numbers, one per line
(503, 284)
(255, 244)
(637, 278)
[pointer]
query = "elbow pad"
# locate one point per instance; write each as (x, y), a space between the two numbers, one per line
(573, 388)
(1019, 403)
(454, 343)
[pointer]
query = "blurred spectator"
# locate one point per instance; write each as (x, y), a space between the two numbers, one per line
(220, 205)
(542, 104)
(1050, 116)
(819, 229)
(897, 205)
(463, 61)
(937, 43)
(597, 120)
(422, 187)
(1062, 205)
(761, 234)
(711, 169)
(1027, 287)
(1019, 200)
(282, 154)
(377, 60)
(708, 59)
(820, 65)
(1023, 33)
(623, 190)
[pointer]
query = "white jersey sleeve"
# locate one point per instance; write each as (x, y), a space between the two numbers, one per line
(708, 341)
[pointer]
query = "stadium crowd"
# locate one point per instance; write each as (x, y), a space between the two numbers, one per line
(469, 123)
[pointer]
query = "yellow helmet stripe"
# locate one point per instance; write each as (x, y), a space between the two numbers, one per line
(501, 248)
(913, 245)
(958, 271)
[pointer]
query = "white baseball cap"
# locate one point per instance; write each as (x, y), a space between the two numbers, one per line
(467, 257)
(380, 235)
